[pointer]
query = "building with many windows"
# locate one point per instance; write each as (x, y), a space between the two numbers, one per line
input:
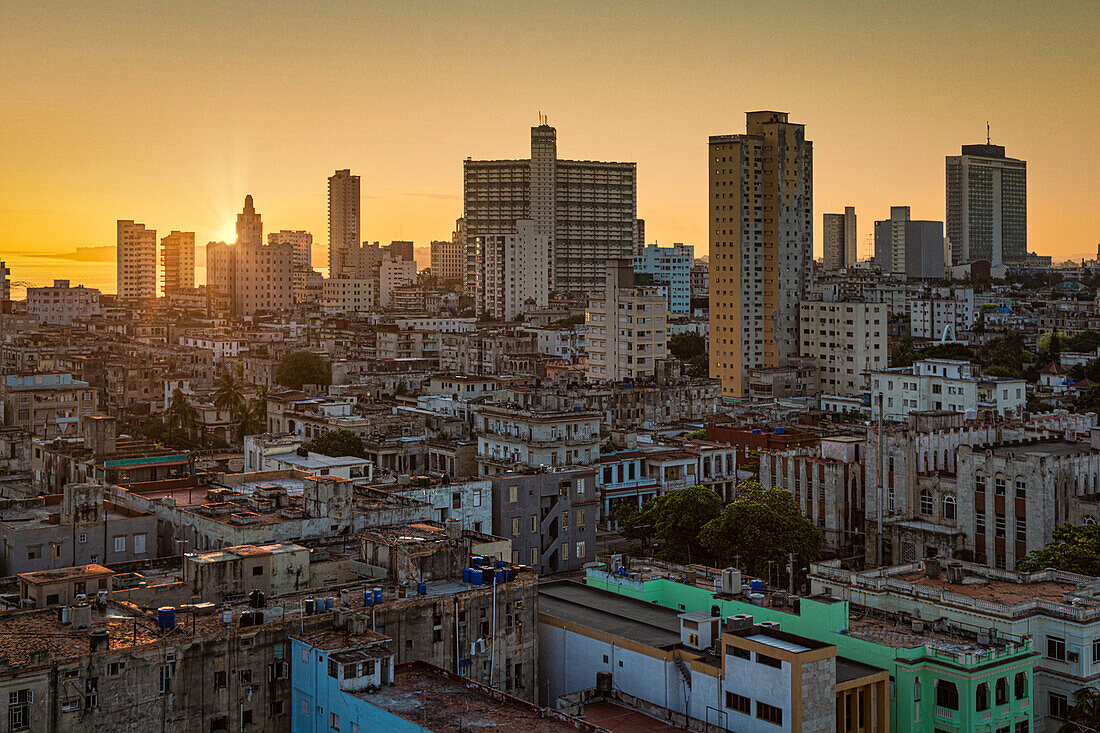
(839, 233)
(908, 247)
(136, 260)
(585, 209)
(177, 260)
(343, 218)
(671, 267)
(448, 261)
(61, 304)
(509, 436)
(845, 340)
(47, 405)
(761, 246)
(627, 327)
(986, 206)
(944, 384)
(513, 275)
(301, 245)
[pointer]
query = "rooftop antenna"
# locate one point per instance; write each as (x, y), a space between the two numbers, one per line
(987, 139)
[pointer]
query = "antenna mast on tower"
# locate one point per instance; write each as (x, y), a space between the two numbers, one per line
(987, 138)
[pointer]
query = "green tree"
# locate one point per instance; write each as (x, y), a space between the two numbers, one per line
(1084, 716)
(228, 393)
(902, 353)
(674, 520)
(686, 346)
(299, 368)
(947, 351)
(1074, 549)
(1088, 401)
(759, 526)
(180, 414)
(337, 443)
(252, 414)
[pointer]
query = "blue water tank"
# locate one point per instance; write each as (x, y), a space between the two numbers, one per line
(756, 585)
(166, 617)
(476, 561)
(421, 589)
(465, 575)
(500, 563)
(368, 598)
(779, 430)
(377, 595)
(500, 575)
(475, 576)
(756, 431)
(330, 601)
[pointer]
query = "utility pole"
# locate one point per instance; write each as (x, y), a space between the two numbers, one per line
(790, 575)
(881, 481)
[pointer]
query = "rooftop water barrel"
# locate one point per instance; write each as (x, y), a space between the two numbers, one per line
(465, 575)
(421, 589)
(475, 576)
(330, 602)
(166, 617)
(377, 595)
(368, 597)
(756, 585)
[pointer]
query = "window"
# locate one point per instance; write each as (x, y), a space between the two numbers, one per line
(1000, 525)
(739, 652)
(120, 543)
(139, 544)
(768, 661)
(165, 678)
(1023, 726)
(70, 704)
(564, 551)
(926, 502)
(1021, 492)
(1056, 648)
(275, 709)
(19, 708)
(999, 485)
(947, 695)
(949, 507)
(581, 516)
(581, 551)
(1002, 691)
(565, 520)
(693, 639)
(477, 498)
(82, 537)
(513, 494)
(1020, 684)
(981, 697)
(34, 552)
(979, 523)
(769, 713)
(114, 669)
(738, 703)
(219, 679)
(334, 721)
(1057, 705)
(979, 484)
(1021, 529)
(515, 526)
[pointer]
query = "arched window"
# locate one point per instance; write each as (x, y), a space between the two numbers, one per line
(1089, 519)
(947, 695)
(979, 482)
(1021, 490)
(926, 502)
(981, 697)
(1021, 685)
(999, 484)
(1002, 691)
(948, 507)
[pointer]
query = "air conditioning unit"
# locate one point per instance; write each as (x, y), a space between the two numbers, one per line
(1073, 656)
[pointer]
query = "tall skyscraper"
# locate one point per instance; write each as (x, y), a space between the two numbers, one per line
(301, 243)
(5, 282)
(839, 235)
(909, 247)
(343, 218)
(585, 209)
(250, 229)
(136, 260)
(986, 206)
(251, 276)
(761, 245)
(177, 261)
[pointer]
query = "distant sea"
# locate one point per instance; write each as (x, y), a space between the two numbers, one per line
(37, 271)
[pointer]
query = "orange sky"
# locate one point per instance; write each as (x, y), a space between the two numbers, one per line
(169, 116)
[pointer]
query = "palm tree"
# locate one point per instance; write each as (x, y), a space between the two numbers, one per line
(1085, 713)
(228, 394)
(253, 417)
(180, 413)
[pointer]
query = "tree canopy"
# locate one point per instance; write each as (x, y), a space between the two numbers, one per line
(1074, 549)
(675, 520)
(337, 443)
(690, 347)
(299, 368)
(759, 526)
(902, 352)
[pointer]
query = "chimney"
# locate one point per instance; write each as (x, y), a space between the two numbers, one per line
(454, 529)
(99, 640)
(100, 435)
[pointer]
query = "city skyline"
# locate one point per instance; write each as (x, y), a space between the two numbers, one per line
(238, 129)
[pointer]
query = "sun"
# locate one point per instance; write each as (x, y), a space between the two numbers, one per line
(229, 233)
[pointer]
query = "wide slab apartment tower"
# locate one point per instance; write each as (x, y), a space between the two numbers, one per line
(761, 246)
(586, 210)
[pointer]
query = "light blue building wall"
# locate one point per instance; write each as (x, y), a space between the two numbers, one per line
(322, 703)
(671, 265)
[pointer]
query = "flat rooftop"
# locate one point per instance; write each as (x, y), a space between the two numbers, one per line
(893, 632)
(850, 669)
(437, 701)
(644, 623)
(1046, 448)
(992, 589)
